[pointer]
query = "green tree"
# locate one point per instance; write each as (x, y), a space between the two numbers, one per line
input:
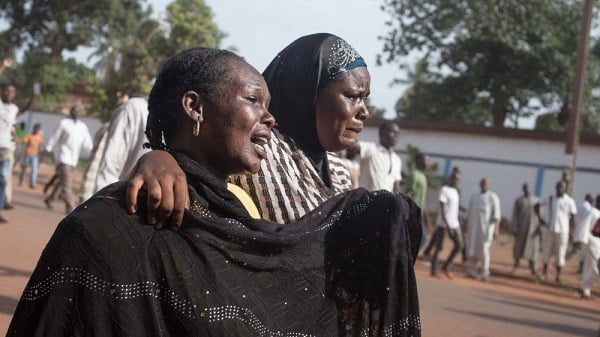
(130, 55)
(494, 55)
(191, 24)
(44, 30)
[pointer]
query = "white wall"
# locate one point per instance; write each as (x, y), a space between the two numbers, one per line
(506, 178)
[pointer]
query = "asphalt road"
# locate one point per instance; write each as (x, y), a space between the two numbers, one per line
(513, 307)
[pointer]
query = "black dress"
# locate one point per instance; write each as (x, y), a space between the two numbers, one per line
(345, 269)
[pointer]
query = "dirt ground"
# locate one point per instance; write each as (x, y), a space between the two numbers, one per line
(31, 224)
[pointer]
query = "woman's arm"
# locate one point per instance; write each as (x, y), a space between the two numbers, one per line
(159, 174)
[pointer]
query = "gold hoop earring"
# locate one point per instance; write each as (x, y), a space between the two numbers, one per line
(196, 128)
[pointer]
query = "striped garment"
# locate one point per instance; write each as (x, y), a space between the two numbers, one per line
(287, 186)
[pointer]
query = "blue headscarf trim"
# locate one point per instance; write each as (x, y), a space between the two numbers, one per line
(357, 63)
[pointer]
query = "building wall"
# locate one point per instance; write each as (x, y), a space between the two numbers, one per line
(507, 162)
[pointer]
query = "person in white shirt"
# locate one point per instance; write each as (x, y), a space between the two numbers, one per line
(68, 141)
(582, 227)
(447, 220)
(591, 253)
(555, 237)
(380, 166)
(8, 116)
(124, 142)
(483, 221)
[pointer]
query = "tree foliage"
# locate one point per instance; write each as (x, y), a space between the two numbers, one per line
(482, 62)
(128, 44)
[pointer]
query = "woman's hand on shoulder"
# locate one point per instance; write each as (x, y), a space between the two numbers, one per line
(159, 174)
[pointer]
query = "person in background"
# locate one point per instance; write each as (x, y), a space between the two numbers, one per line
(124, 141)
(68, 141)
(483, 225)
(417, 190)
(20, 133)
(591, 254)
(525, 227)
(353, 166)
(380, 166)
(555, 237)
(33, 143)
(9, 111)
(90, 176)
(582, 227)
(447, 221)
(88, 181)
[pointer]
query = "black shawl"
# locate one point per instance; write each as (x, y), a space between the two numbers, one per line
(345, 269)
(296, 75)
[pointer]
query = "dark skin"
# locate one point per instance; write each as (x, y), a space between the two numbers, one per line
(233, 127)
(388, 138)
(9, 92)
(561, 188)
(341, 111)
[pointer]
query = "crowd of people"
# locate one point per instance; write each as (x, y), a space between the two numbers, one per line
(254, 200)
(548, 225)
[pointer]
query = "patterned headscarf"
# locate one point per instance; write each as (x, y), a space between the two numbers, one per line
(295, 77)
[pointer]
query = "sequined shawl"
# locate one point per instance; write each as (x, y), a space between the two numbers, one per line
(345, 269)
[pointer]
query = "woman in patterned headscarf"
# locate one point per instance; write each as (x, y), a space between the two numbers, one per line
(319, 84)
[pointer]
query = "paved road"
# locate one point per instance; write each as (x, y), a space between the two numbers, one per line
(462, 307)
(470, 308)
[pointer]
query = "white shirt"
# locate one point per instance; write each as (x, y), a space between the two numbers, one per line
(124, 144)
(8, 119)
(69, 140)
(380, 168)
(559, 211)
(583, 229)
(449, 197)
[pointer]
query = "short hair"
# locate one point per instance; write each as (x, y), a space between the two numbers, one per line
(203, 70)
(385, 126)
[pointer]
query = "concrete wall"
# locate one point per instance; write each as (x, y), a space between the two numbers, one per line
(508, 162)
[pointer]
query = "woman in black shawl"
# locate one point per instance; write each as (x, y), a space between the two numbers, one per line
(335, 272)
(319, 84)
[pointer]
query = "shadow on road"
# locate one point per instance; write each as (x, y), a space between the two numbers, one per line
(8, 271)
(545, 306)
(8, 304)
(569, 330)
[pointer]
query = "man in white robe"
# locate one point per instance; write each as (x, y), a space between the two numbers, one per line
(482, 223)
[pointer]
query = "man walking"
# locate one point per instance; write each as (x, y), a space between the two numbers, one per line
(417, 190)
(447, 220)
(555, 238)
(483, 221)
(8, 115)
(124, 142)
(380, 166)
(582, 227)
(525, 227)
(33, 142)
(591, 254)
(70, 138)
